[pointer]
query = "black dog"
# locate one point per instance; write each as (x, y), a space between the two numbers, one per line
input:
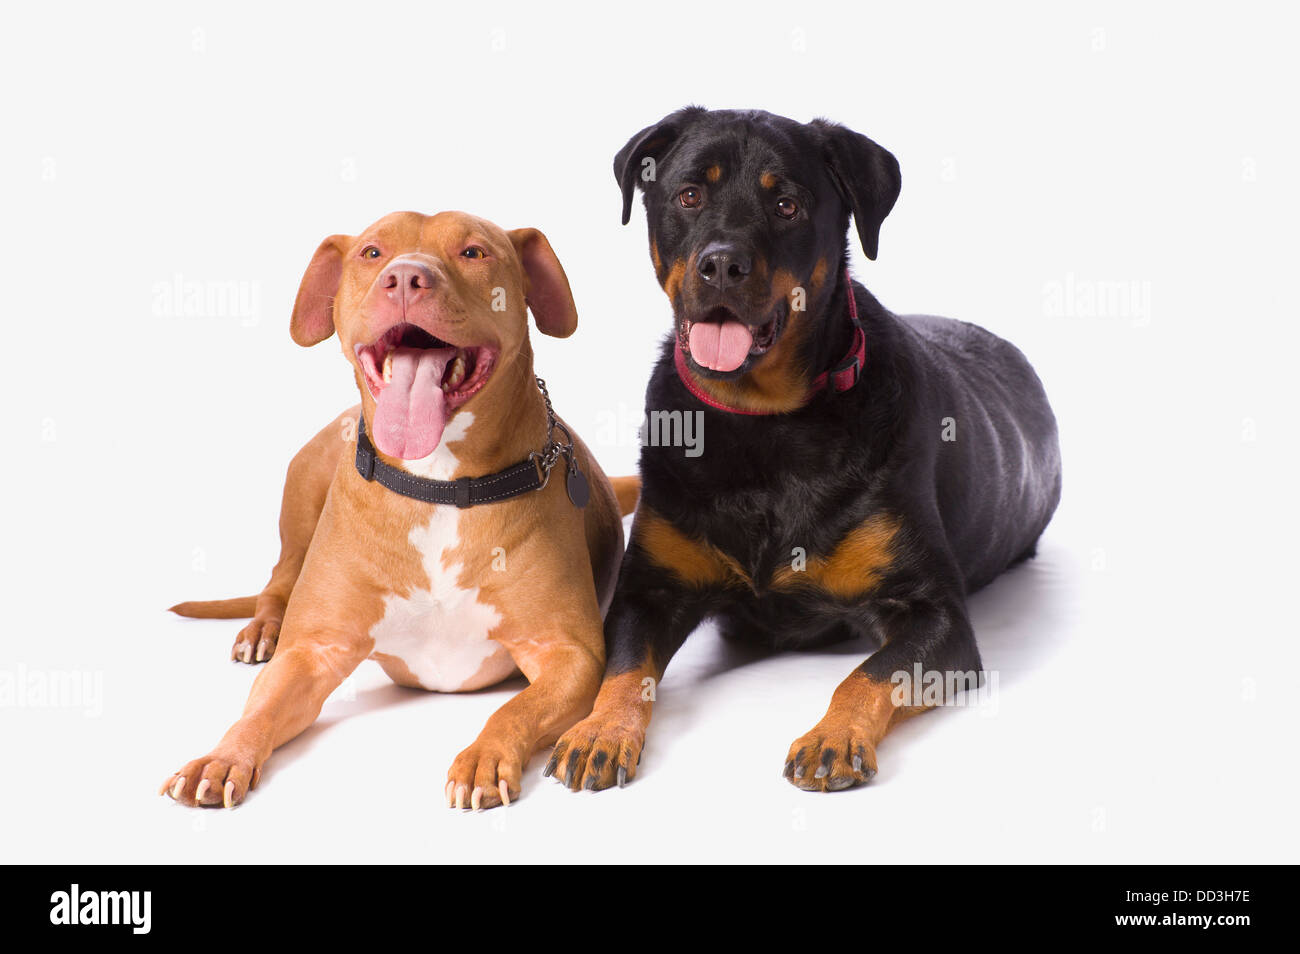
(862, 472)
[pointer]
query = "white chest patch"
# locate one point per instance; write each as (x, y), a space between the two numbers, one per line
(442, 633)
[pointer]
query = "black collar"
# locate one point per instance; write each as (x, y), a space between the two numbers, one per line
(529, 474)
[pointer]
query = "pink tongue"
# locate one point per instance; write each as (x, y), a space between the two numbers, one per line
(411, 414)
(720, 347)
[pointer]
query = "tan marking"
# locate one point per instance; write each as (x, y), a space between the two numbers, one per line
(861, 700)
(767, 180)
(778, 382)
(672, 281)
(856, 565)
(694, 562)
(861, 713)
(626, 697)
(713, 173)
(616, 728)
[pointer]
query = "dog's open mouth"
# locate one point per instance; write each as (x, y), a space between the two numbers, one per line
(417, 381)
(720, 341)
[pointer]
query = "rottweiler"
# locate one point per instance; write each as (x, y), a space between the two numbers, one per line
(861, 472)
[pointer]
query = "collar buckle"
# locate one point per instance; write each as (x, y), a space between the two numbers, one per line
(463, 484)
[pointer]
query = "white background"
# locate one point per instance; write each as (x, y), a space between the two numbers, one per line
(1146, 660)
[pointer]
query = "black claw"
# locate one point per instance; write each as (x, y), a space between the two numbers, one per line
(824, 769)
(598, 761)
(551, 766)
(788, 771)
(571, 773)
(857, 763)
(799, 770)
(622, 776)
(590, 783)
(839, 783)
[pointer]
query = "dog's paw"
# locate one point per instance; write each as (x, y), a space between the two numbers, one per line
(256, 641)
(831, 758)
(485, 775)
(213, 781)
(597, 753)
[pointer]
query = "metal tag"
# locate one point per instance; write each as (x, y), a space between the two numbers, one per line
(576, 484)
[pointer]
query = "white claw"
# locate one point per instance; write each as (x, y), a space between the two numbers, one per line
(177, 786)
(228, 795)
(202, 790)
(505, 793)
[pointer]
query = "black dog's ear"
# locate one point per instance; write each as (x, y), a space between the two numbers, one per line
(630, 165)
(866, 175)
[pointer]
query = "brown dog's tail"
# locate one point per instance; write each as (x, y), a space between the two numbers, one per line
(627, 490)
(241, 607)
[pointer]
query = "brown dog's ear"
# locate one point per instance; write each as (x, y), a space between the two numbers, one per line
(313, 311)
(548, 293)
(866, 176)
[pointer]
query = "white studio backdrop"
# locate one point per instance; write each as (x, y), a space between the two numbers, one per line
(1111, 187)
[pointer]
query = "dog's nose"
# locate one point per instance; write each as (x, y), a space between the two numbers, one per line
(409, 279)
(724, 266)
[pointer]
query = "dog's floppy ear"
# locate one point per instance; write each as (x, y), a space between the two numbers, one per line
(548, 294)
(313, 310)
(630, 165)
(866, 175)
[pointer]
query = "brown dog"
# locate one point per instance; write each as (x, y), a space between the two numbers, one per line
(432, 314)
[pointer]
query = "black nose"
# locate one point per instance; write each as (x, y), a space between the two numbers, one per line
(723, 265)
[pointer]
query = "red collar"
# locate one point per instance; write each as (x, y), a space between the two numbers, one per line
(842, 377)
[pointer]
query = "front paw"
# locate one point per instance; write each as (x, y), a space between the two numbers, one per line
(831, 758)
(485, 775)
(218, 779)
(597, 753)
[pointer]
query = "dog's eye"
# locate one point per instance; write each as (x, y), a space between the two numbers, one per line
(787, 208)
(370, 251)
(690, 197)
(474, 252)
